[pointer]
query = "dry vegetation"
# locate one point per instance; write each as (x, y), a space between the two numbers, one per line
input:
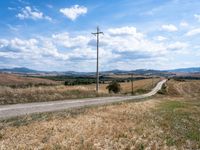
(41, 94)
(163, 122)
(144, 85)
(187, 88)
(126, 76)
(10, 95)
(21, 81)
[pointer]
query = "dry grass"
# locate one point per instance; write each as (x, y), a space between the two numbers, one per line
(106, 127)
(145, 84)
(20, 81)
(159, 123)
(50, 93)
(187, 88)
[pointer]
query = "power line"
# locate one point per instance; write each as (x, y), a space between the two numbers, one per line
(97, 73)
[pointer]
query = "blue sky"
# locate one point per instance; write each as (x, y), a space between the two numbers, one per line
(56, 35)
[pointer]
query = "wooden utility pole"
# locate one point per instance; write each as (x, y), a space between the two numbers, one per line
(132, 84)
(97, 73)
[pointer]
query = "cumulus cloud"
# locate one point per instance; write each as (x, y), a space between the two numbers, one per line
(74, 12)
(31, 47)
(29, 13)
(131, 41)
(170, 28)
(66, 40)
(132, 31)
(193, 32)
(78, 51)
(17, 45)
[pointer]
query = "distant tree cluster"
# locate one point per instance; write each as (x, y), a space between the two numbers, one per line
(186, 77)
(79, 82)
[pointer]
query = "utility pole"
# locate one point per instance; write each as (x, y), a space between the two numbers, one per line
(97, 73)
(152, 81)
(132, 84)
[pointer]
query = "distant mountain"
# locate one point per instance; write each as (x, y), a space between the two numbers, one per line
(186, 70)
(19, 70)
(138, 71)
(24, 70)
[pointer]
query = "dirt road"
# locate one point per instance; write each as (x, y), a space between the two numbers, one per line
(29, 108)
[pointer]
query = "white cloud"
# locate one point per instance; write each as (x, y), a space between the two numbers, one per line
(78, 51)
(177, 46)
(29, 13)
(160, 38)
(197, 16)
(170, 28)
(62, 48)
(132, 31)
(193, 32)
(66, 40)
(132, 42)
(31, 48)
(73, 12)
(3, 43)
(184, 24)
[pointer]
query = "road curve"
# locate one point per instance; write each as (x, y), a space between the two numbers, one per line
(7, 111)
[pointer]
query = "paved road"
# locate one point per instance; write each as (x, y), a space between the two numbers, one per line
(29, 108)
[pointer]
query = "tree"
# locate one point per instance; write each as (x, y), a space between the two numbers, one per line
(114, 87)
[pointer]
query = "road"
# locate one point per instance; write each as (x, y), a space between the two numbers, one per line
(7, 111)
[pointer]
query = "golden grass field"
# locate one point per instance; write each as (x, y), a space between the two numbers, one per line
(10, 95)
(145, 84)
(170, 121)
(11, 79)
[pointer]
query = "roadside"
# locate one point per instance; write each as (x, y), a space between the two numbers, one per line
(162, 122)
(10, 95)
(29, 108)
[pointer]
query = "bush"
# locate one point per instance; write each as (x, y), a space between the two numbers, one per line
(163, 90)
(114, 87)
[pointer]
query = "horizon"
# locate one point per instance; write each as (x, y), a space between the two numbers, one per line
(100, 70)
(56, 36)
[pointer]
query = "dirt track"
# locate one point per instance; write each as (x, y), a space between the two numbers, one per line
(29, 108)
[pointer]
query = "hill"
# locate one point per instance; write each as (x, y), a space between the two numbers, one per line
(147, 72)
(19, 70)
(186, 70)
(21, 81)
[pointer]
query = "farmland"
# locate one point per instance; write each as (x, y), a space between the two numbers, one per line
(19, 81)
(166, 121)
(18, 89)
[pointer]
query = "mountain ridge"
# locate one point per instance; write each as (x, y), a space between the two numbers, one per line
(24, 70)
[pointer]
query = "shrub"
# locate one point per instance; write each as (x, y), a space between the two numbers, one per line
(163, 90)
(114, 87)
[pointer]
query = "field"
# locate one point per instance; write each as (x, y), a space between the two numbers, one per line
(54, 90)
(144, 85)
(167, 121)
(17, 81)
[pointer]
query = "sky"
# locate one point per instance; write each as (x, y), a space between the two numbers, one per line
(52, 35)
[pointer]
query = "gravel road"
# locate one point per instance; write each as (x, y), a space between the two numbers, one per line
(7, 111)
